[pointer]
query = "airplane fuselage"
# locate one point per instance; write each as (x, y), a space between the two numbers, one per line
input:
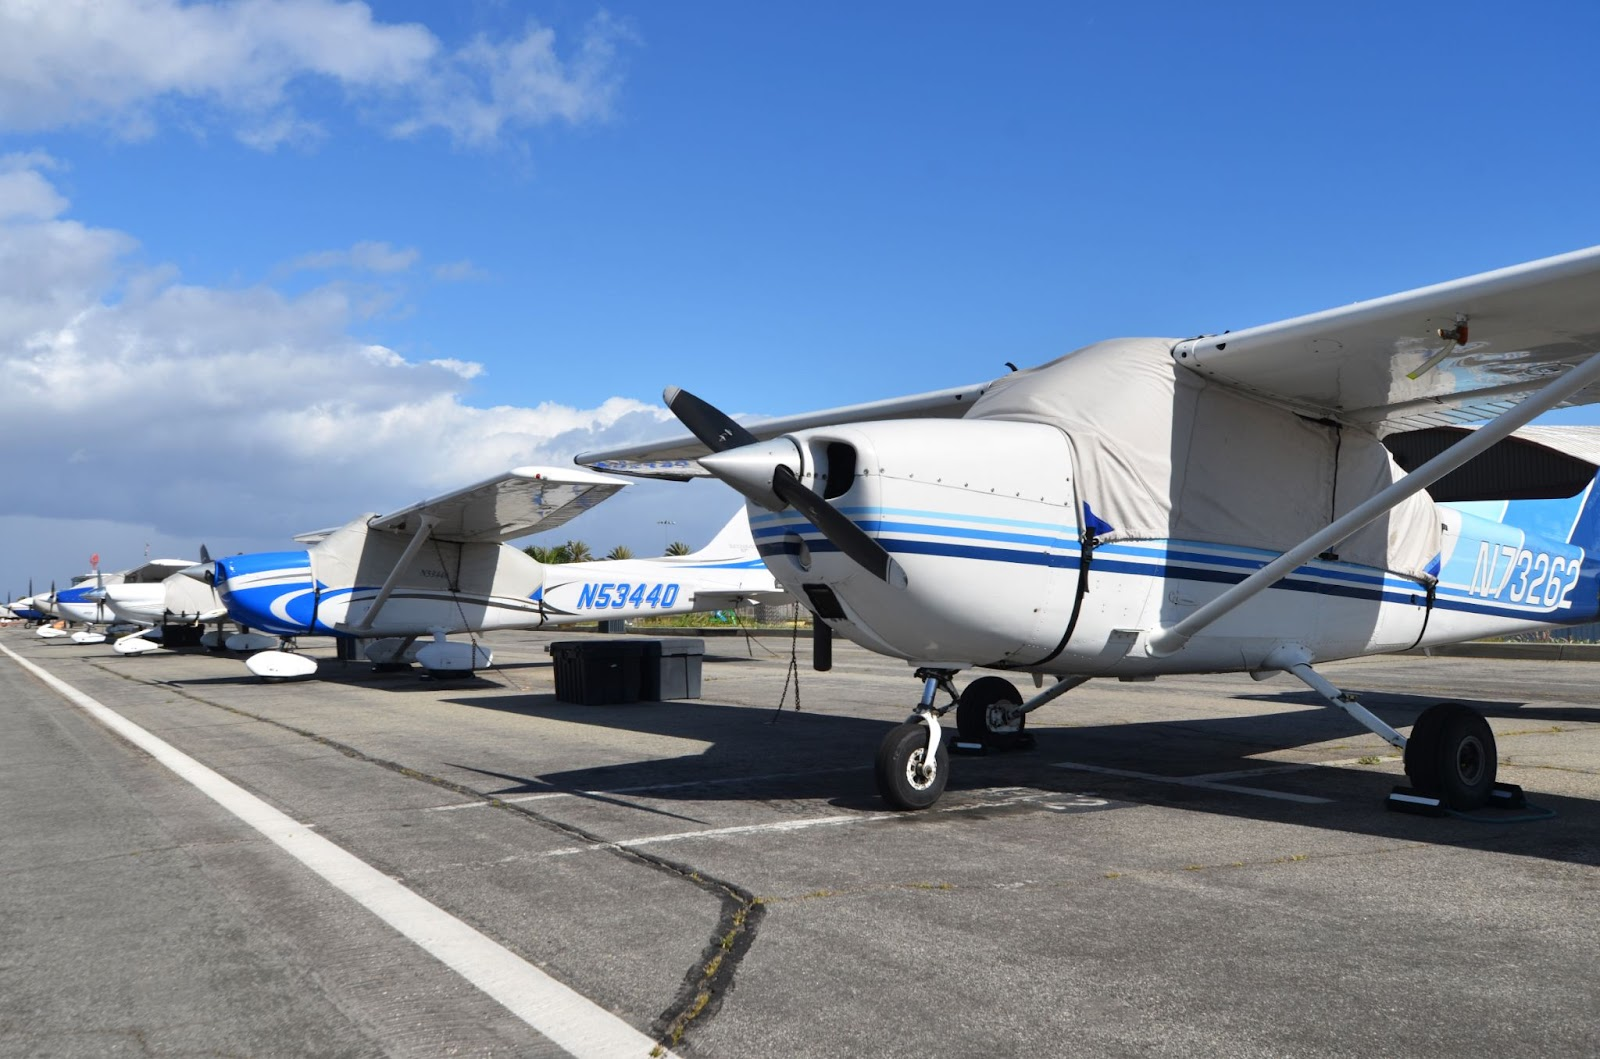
(1001, 573)
(454, 587)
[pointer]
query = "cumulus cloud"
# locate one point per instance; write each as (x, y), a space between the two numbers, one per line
(230, 412)
(127, 65)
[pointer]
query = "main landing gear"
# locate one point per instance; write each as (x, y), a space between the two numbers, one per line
(1450, 757)
(913, 763)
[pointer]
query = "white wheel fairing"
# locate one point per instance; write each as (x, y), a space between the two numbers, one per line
(280, 665)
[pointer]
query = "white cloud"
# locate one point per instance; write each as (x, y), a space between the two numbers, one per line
(465, 369)
(458, 272)
(363, 257)
(213, 413)
(488, 85)
(129, 65)
(24, 192)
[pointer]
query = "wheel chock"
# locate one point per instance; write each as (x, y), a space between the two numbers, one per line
(1507, 796)
(1410, 800)
(969, 749)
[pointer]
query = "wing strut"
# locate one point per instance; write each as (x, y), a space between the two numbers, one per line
(1168, 639)
(424, 530)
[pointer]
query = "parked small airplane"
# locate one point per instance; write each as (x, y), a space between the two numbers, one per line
(442, 567)
(85, 601)
(1245, 502)
(174, 609)
(27, 608)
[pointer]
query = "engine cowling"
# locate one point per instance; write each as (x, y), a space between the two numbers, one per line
(981, 515)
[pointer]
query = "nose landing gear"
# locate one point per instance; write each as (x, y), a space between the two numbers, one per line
(913, 763)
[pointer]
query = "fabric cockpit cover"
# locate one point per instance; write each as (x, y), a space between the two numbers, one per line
(1164, 453)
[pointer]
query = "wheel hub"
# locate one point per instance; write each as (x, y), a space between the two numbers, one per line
(1470, 759)
(918, 775)
(1003, 717)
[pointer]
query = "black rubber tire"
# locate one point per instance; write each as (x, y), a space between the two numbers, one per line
(1451, 755)
(972, 710)
(901, 749)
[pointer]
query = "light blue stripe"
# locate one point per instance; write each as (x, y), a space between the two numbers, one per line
(906, 512)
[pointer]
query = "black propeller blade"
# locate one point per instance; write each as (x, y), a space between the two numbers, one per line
(205, 556)
(845, 535)
(714, 429)
(721, 434)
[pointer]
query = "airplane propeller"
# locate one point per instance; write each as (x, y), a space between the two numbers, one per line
(762, 472)
(202, 571)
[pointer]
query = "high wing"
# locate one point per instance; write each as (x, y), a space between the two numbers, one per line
(1442, 355)
(510, 505)
(675, 457)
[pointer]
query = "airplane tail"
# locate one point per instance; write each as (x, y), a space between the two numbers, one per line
(733, 541)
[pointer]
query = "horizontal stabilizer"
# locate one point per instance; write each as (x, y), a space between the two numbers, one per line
(510, 505)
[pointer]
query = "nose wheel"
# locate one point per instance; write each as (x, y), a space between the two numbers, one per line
(908, 775)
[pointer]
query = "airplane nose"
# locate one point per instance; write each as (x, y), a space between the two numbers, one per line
(205, 573)
(751, 468)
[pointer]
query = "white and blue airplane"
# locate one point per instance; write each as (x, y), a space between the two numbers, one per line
(1258, 501)
(174, 610)
(27, 608)
(442, 567)
(85, 601)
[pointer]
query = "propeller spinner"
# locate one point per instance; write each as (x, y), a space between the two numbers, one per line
(768, 473)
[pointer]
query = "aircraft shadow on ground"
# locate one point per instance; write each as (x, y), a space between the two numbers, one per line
(755, 754)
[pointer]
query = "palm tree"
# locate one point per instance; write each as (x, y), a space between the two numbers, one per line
(621, 551)
(540, 554)
(677, 548)
(577, 552)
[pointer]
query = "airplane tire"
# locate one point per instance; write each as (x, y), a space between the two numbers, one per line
(975, 720)
(899, 762)
(1451, 755)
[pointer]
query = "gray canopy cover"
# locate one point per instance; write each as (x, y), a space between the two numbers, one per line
(1164, 453)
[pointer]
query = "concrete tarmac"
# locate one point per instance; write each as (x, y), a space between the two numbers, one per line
(1199, 865)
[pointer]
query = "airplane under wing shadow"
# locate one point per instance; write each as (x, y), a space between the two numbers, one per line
(754, 754)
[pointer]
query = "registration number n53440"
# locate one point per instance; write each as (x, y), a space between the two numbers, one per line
(627, 595)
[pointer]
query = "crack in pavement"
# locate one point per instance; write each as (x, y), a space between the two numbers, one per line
(704, 984)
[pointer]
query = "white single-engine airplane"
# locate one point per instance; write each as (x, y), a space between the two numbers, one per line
(1245, 502)
(172, 611)
(442, 567)
(85, 601)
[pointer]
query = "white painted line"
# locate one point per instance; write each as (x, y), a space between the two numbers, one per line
(1295, 766)
(1188, 781)
(650, 789)
(721, 832)
(576, 1024)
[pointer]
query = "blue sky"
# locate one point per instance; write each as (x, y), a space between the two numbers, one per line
(267, 265)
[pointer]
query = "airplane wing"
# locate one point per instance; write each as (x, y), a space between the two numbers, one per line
(507, 506)
(1443, 355)
(674, 457)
